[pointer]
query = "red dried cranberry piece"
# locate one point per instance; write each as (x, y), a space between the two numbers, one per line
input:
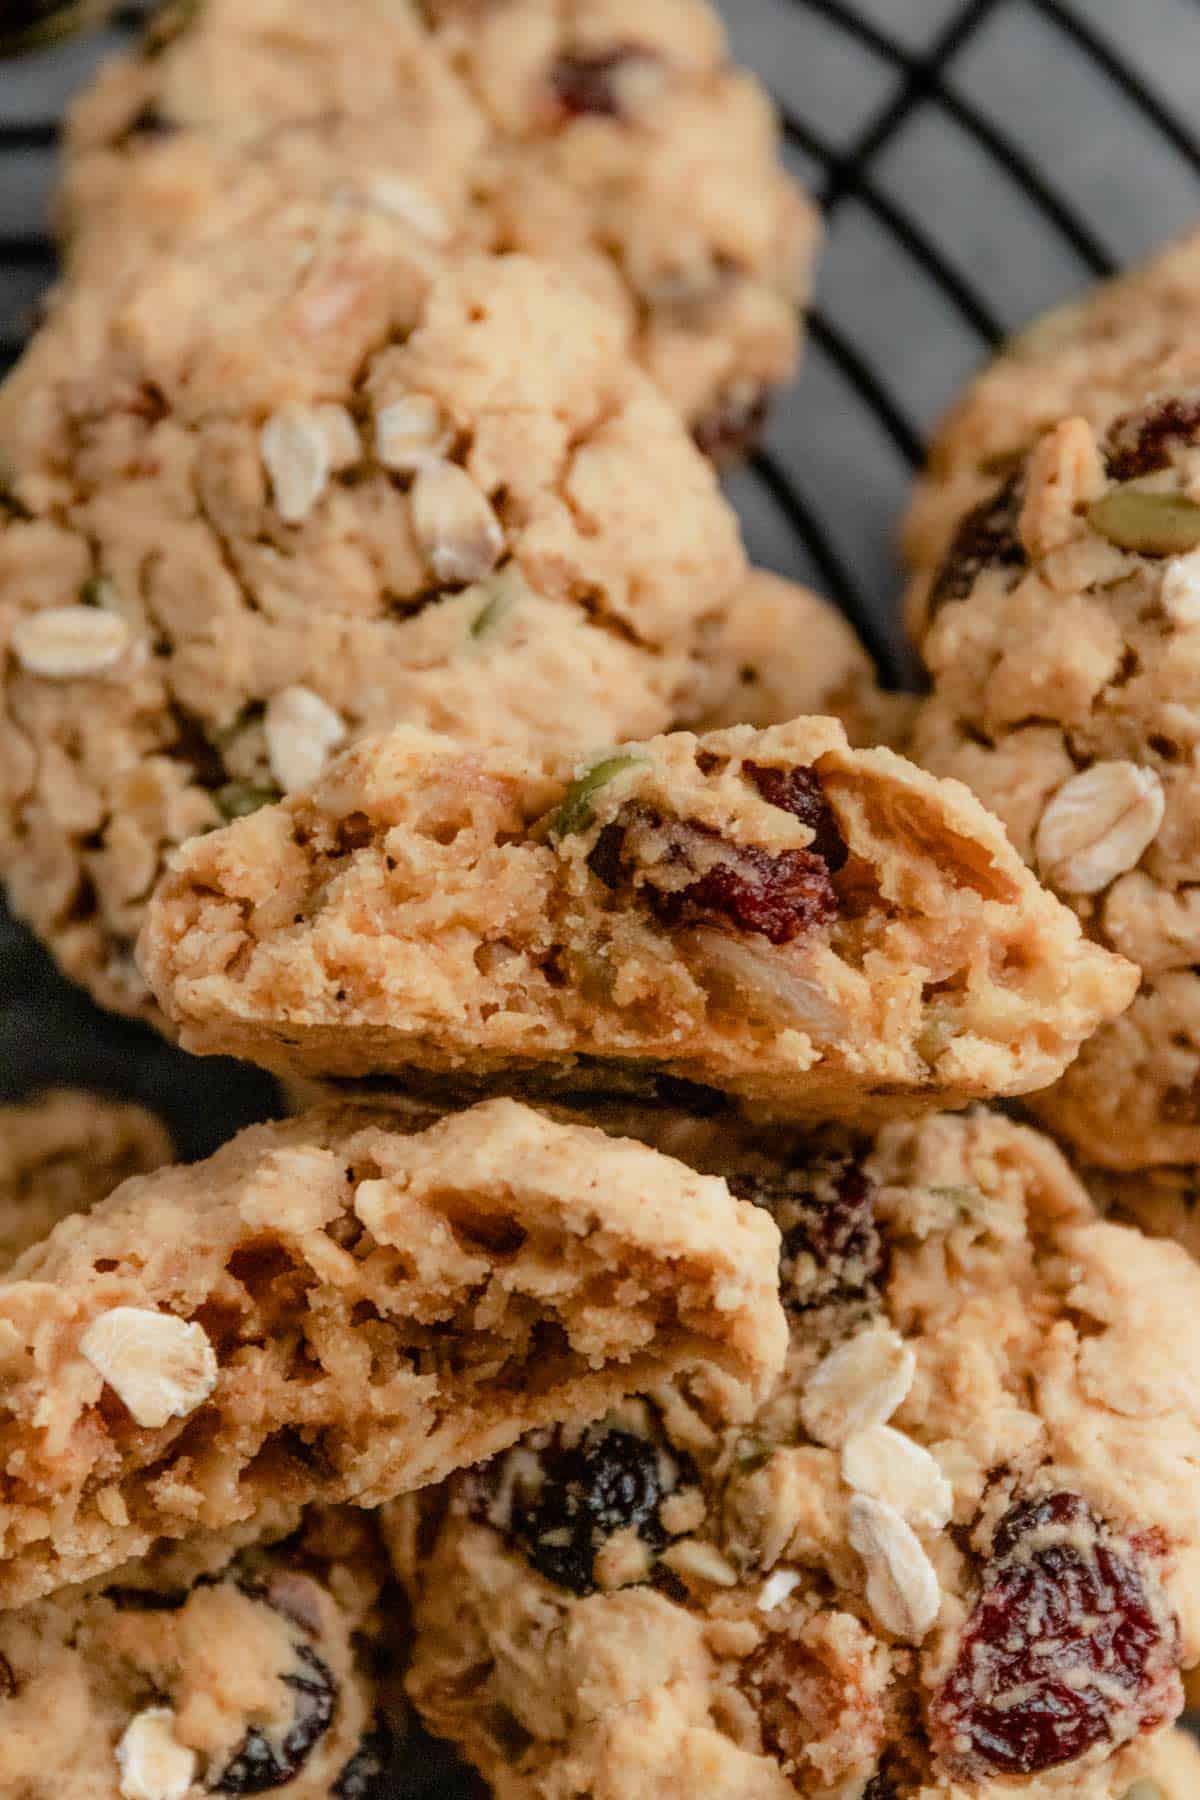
(799, 792)
(833, 1248)
(1141, 442)
(988, 537)
(591, 84)
(734, 426)
(782, 897)
(258, 1764)
(1068, 1646)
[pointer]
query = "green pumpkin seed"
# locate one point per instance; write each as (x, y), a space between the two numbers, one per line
(577, 812)
(1144, 1790)
(503, 591)
(238, 799)
(1149, 523)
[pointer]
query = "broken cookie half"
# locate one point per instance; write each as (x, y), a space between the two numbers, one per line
(343, 1308)
(772, 915)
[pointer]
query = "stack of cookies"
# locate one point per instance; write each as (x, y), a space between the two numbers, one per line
(648, 1355)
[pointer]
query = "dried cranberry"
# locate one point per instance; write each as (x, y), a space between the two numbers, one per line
(1141, 442)
(987, 538)
(258, 1764)
(587, 1491)
(1067, 1647)
(833, 1249)
(584, 84)
(733, 427)
(362, 1777)
(799, 792)
(782, 896)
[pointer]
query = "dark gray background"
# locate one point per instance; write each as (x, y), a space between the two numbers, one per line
(979, 160)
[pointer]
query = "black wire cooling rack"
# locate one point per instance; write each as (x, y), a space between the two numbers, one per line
(976, 161)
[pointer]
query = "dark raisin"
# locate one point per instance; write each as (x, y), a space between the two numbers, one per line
(987, 538)
(1067, 1647)
(733, 427)
(881, 1787)
(799, 792)
(362, 1777)
(8, 1681)
(1141, 442)
(608, 1481)
(605, 859)
(584, 84)
(833, 1248)
(259, 1764)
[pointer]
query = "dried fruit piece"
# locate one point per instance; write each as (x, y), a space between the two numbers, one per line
(902, 1584)
(64, 643)
(159, 1366)
(576, 1495)
(153, 1764)
(260, 1764)
(833, 1249)
(1070, 1644)
(988, 538)
(1140, 443)
(1098, 825)
(859, 1384)
(1147, 523)
(611, 84)
(363, 1776)
(798, 791)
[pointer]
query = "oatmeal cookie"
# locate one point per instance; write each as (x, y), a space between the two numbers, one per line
(1170, 1769)
(279, 500)
(794, 655)
(1092, 359)
(818, 930)
(344, 1306)
(64, 1151)
(973, 1485)
(615, 138)
(163, 1682)
(1065, 659)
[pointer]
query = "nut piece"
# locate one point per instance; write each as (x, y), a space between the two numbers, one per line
(886, 1465)
(159, 1367)
(404, 200)
(902, 1585)
(409, 433)
(301, 729)
(777, 1588)
(455, 525)
(858, 1385)
(154, 1765)
(63, 642)
(295, 448)
(1097, 825)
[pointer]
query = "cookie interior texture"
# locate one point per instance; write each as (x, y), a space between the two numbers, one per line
(1064, 652)
(618, 141)
(64, 1151)
(952, 1554)
(343, 1307)
(219, 1669)
(289, 488)
(770, 915)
